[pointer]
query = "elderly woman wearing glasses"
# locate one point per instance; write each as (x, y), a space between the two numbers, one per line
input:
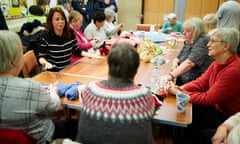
(215, 95)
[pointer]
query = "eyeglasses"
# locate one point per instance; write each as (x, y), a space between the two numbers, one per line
(215, 41)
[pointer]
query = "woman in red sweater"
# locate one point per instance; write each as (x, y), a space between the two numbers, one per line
(215, 95)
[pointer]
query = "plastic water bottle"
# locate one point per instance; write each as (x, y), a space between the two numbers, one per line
(154, 80)
(152, 29)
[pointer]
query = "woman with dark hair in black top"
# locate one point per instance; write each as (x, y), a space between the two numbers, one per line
(57, 42)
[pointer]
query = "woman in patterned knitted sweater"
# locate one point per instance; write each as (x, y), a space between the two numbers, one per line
(116, 111)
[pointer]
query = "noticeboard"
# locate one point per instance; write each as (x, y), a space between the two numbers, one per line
(19, 8)
(15, 8)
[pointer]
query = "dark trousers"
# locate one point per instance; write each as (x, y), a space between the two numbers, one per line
(65, 128)
(204, 118)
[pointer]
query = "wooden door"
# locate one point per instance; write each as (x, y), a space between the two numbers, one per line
(129, 13)
(193, 8)
(209, 6)
(199, 8)
(155, 10)
(222, 1)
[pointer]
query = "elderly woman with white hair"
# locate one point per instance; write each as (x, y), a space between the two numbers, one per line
(110, 28)
(172, 24)
(25, 105)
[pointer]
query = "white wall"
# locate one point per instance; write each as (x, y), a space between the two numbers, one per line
(129, 13)
(16, 24)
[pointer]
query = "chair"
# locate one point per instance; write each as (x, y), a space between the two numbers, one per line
(30, 64)
(31, 68)
(15, 136)
(34, 45)
(143, 27)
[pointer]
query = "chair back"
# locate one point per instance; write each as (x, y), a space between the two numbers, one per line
(143, 27)
(34, 45)
(30, 64)
(15, 136)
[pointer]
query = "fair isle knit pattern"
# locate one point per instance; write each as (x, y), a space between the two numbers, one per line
(117, 104)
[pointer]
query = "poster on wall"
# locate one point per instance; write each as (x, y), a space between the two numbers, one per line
(19, 8)
(14, 8)
(15, 3)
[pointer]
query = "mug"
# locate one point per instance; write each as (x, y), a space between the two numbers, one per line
(182, 101)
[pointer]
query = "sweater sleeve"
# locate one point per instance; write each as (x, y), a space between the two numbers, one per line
(48, 101)
(77, 50)
(165, 26)
(110, 31)
(89, 32)
(234, 134)
(179, 27)
(43, 49)
(233, 120)
(199, 52)
(221, 89)
(198, 89)
(200, 84)
(82, 41)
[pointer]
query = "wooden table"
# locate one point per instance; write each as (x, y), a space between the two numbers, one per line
(167, 113)
(87, 70)
(51, 77)
(98, 68)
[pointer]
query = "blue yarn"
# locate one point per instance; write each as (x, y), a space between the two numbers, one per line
(72, 92)
(68, 90)
(62, 88)
(43, 84)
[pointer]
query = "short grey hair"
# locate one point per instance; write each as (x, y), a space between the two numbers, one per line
(228, 35)
(197, 25)
(171, 16)
(109, 12)
(123, 61)
(10, 49)
(211, 19)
